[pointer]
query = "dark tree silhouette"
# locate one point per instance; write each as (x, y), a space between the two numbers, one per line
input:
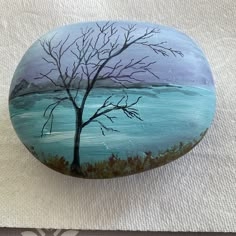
(96, 55)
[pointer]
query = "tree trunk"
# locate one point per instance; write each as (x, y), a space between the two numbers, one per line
(75, 165)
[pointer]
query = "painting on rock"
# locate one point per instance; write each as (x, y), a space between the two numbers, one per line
(109, 99)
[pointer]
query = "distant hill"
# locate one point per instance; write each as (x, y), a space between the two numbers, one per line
(26, 87)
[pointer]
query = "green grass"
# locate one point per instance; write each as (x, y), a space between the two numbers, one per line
(114, 166)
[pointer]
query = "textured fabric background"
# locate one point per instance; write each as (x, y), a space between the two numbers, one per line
(195, 193)
(48, 232)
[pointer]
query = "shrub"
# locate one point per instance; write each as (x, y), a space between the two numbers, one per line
(115, 166)
(57, 163)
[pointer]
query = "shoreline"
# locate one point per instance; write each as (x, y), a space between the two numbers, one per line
(147, 87)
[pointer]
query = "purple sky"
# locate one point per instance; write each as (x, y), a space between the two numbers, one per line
(192, 69)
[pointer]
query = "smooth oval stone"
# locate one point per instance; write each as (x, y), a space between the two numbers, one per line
(108, 99)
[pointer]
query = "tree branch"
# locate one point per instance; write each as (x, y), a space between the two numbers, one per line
(109, 106)
(158, 48)
(50, 116)
(104, 127)
(48, 77)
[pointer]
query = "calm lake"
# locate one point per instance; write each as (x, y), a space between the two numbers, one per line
(170, 115)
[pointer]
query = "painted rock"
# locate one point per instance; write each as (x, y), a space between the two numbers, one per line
(108, 99)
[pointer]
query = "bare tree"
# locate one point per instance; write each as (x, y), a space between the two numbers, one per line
(97, 55)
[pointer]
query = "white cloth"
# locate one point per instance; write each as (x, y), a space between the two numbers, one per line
(195, 193)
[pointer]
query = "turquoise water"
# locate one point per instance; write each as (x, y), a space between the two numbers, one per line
(170, 115)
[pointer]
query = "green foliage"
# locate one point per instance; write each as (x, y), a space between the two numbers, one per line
(114, 166)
